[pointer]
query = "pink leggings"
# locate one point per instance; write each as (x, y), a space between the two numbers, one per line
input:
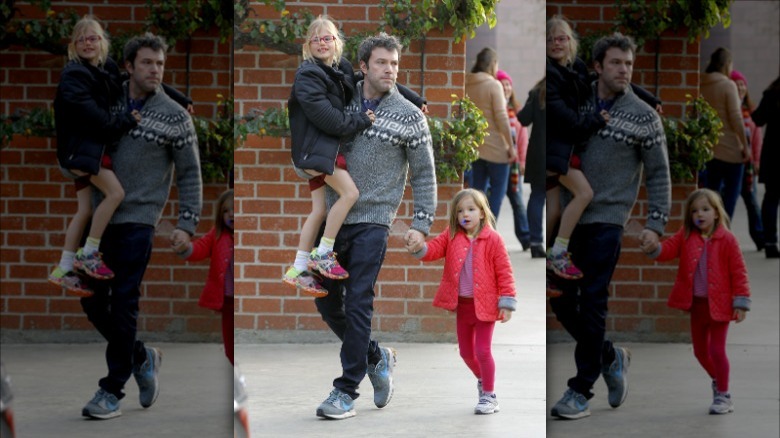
(709, 343)
(474, 340)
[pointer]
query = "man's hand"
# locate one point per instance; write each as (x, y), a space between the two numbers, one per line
(415, 241)
(180, 240)
(648, 241)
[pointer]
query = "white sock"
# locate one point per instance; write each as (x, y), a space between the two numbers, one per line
(91, 246)
(301, 260)
(326, 245)
(560, 246)
(66, 260)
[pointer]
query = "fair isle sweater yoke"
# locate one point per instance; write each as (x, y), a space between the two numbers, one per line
(614, 158)
(145, 160)
(379, 158)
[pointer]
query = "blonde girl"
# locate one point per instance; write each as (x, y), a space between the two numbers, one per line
(712, 285)
(85, 126)
(477, 284)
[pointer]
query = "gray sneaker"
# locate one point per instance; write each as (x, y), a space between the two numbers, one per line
(146, 377)
(571, 406)
(488, 404)
(616, 376)
(338, 406)
(103, 406)
(722, 404)
(381, 376)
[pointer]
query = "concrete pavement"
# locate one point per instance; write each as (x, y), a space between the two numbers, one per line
(435, 392)
(669, 391)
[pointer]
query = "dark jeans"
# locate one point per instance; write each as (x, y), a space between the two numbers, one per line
(769, 212)
(485, 173)
(518, 212)
(726, 179)
(113, 310)
(582, 309)
(753, 212)
(536, 213)
(349, 305)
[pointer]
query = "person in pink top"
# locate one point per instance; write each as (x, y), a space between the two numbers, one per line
(477, 284)
(712, 285)
(514, 188)
(750, 180)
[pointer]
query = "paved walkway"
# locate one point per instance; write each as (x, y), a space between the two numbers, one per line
(435, 393)
(670, 393)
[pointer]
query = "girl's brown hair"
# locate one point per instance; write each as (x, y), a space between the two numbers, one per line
(219, 223)
(713, 198)
(482, 203)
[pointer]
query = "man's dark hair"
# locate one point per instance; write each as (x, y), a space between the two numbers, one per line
(382, 40)
(617, 39)
(148, 40)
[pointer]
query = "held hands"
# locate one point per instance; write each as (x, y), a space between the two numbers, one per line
(180, 241)
(504, 315)
(648, 241)
(415, 241)
(739, 315)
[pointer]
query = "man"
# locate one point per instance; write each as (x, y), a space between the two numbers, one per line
(144, 162)
(378, 159)
(612, 161)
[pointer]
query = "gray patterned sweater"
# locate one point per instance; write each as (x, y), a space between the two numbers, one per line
(614, 158)
(380, 157)
(145, 160)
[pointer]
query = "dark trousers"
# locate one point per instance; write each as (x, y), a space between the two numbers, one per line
(536, 213)
(519, 213)
(349, 305)
(726, 179)
(113, 310)
(582, 309)
(769, 212)
(753, 212)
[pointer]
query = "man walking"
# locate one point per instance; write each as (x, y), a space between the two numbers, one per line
(379, 158)
(144, 162)
(612, 161)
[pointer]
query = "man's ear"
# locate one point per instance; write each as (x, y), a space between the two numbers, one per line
(129, 67)
(597, 67)
(363, 67)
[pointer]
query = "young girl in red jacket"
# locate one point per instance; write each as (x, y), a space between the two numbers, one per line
(217, 244)
(711, 284)
(477, 284)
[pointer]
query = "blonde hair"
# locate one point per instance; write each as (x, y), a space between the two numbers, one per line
(482, 203)
(219, 223)
(713, 198)
(323, 22)
(88, 22)
(558, 22)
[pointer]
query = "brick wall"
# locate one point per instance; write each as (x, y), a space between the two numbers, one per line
(272, 202)
(36, 202)
(640, 287)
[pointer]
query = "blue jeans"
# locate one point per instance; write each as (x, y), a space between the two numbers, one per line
(753, 212)
(536, 213)
(497, 175)
(582, 309)
(518, 212)
(349, 305)
(726, 179)
(113, 309)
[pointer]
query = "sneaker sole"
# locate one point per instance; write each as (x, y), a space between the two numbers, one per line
(80, 266)
(576, 416)
(627, 363)
(313, 266)
(492, 411)
(348, 414)
(71, 291)
(107, 416)
(390, 380)
(307, 290)
(566, 276)
(157, 365)
(716, 412)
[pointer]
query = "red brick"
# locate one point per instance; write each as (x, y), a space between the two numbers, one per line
(42, 322)
(269, 322)
(204, 325)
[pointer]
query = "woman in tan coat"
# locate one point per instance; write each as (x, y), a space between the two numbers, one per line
(723, 173)
(497, 151)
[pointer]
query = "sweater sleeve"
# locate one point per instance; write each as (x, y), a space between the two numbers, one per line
(655, 159)
(186, 159)
(310, 91)
(419, 150)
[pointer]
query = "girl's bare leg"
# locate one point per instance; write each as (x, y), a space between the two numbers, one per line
(342, 183)
(79, 222)
(107, 182)
(579, 187)
(313, 222)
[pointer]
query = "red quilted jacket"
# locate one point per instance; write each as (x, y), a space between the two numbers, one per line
(726, 272)
(493, 278)
(219, 250)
